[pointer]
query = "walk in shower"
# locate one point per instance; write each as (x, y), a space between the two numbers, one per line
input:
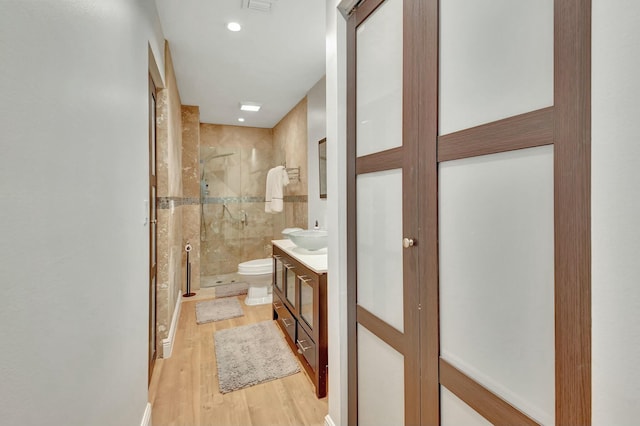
(233, 227)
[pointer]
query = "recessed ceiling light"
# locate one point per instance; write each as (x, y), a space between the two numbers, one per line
(250, 106)
(233, 26)
(259, 5)
(241, 120)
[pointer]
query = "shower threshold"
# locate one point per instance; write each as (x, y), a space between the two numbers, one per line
(216, 280)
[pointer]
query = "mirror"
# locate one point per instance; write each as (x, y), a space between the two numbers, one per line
(322, 166)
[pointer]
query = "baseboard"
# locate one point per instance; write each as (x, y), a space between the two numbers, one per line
(146, 418)
(328, 421)
(167, 344)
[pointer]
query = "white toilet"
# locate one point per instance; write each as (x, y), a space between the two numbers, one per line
(257, 273)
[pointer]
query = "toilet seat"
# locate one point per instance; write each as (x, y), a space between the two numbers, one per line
(255, 267)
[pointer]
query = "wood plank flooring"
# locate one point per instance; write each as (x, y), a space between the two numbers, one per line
(184, 388)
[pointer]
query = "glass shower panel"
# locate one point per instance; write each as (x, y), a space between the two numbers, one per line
(379, 80)
(379, 245)
(497, 275)
(234, 228)
(504, 68)
(221, 237)
(221, 170)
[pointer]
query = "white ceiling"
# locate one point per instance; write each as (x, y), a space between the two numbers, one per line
(274, 60)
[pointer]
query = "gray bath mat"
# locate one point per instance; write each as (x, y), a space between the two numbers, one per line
(218, 310)
(252, 354)
(232, 289)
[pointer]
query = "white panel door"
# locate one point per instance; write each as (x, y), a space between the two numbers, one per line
(384, 386)
(469, 128)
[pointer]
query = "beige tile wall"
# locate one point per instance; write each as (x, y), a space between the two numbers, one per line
(290, 146)
(191, 190)
(169, 181)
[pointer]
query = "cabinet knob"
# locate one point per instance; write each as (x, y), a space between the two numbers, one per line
(408, 242)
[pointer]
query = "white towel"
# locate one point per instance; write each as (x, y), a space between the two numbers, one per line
(277, 178)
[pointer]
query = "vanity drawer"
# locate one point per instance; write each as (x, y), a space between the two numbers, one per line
(306, 347)
(286, 320)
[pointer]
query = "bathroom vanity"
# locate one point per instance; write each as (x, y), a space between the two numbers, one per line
(300, 306)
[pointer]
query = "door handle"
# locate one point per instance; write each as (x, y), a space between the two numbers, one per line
(408, 242)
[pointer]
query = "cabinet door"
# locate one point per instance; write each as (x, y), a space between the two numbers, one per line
(307, 285)
(277, 268)
(290, 283)
(306, 347)
(288, 323)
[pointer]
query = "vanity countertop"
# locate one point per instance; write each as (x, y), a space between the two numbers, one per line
(315, 260)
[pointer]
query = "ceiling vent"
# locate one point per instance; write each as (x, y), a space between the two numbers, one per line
(259, 5)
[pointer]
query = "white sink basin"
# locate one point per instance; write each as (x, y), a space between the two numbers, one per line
(310, 239)
(287, 231)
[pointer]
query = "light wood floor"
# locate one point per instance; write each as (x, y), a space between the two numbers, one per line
(184, 388)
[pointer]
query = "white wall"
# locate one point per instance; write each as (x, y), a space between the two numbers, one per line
(615, 181)
(316, 130)
(73, 180)
(336, 81)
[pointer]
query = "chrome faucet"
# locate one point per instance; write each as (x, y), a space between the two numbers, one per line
(244, 218)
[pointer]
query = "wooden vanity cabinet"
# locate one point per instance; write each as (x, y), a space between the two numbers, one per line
(300, 309)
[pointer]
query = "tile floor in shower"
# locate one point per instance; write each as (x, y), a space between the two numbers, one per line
(216, 280)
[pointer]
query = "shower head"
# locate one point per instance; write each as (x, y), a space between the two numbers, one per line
(213, 156)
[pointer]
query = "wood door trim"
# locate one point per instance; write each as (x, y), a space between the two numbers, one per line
(572, 177)
(381, 329)
(482, 400)
(428, 33)
(526, 130)
(351, 231)
(364, 9)
(380, 161)
(412, 99)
